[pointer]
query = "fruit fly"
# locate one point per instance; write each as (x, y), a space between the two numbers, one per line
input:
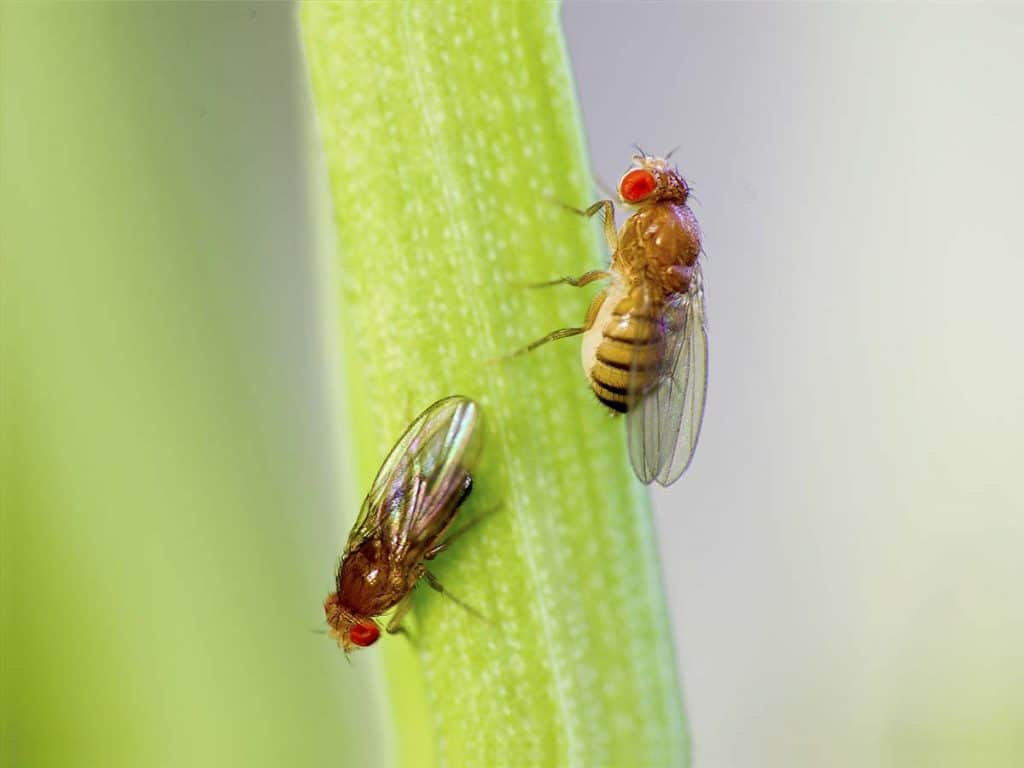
(644, 345)
(404, 521)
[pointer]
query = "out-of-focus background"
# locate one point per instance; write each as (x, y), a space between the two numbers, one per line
(170, 480)
(845, 557)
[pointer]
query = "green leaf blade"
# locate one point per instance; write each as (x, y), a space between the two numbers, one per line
(451, 136)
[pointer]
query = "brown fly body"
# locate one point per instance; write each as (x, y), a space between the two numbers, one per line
(405, 521)
(644, 347)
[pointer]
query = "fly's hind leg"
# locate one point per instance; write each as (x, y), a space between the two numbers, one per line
(438, 587)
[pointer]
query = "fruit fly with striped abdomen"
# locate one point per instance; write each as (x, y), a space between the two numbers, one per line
(405, 521)
(644, 336)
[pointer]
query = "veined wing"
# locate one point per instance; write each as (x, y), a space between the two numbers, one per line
(664, 425)
(422, 480)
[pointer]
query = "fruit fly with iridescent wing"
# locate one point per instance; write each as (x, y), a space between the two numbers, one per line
(644, 336)
(405, 521)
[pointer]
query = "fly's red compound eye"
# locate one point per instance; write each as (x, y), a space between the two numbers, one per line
(637, 184)
(364, 633)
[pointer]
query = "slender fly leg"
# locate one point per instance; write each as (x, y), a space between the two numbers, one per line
(437, 586)
(607, 210)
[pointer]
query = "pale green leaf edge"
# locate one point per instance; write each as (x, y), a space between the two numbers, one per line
(450, 133)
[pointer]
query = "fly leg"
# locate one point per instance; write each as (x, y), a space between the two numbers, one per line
(438, 587)
(607, 209)
(394, 626)
(561, 333)
(584, 279)
(564, 333)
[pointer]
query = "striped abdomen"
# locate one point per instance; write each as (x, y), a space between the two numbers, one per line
(622, 347)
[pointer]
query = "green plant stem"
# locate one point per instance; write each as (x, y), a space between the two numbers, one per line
(451, 135)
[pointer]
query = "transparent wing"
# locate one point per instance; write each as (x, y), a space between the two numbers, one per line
(651, 354)
(664, 423)
(422, 480)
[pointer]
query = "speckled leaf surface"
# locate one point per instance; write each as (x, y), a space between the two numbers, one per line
(450, 134)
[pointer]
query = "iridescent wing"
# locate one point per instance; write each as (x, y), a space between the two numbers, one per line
(422, 481)
(664, 423)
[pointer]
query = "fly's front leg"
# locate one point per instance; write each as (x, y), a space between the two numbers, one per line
(607, 209)
(394, 626)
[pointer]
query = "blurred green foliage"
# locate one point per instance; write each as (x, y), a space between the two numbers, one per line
(169, 508)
